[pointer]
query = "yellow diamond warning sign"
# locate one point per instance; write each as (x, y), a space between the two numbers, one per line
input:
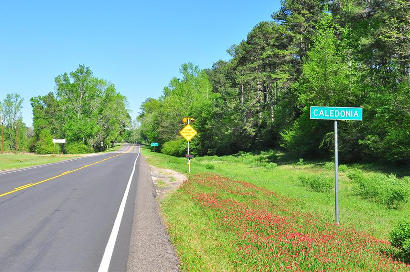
(188, 132)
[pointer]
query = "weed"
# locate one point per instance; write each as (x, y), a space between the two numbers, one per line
(220, 224)
(387, 190)
(317, 183)
(331, 166)
(209, 166)
(161, 183)
(400, 238)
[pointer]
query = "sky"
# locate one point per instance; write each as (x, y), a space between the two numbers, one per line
(138, 46)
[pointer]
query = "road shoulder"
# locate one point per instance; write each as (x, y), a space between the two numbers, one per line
(150, 247)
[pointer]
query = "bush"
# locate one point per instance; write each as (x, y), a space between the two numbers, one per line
(386, 190)
(209, 166)
(262, 160)
(331, 166)
(175, 147)
(317, 183)
(45, 144)
(300, 162)
(400, 238)
(343, 168)
(268, 156)
(271, 165)
(77, 148)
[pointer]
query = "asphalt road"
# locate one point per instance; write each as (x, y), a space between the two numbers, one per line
(63, 217)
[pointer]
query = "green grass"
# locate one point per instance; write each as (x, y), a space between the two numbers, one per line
(249, 213)
(284, 179)
(21, 160)
(116, 147)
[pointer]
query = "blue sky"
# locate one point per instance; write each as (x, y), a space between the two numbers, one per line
(137, 45)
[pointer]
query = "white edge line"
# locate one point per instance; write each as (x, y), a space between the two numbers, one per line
(106, 259)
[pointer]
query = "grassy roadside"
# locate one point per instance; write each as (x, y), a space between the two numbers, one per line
(116, 147)
(204, 243)
(21, 160)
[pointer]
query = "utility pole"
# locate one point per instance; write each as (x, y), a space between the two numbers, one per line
(17, 137)
(2, 137)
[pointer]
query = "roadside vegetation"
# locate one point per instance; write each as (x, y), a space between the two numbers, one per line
(11, 160)
(312, 53)
(85, 110)
(248, 208)
(238, 212)
(21, 160)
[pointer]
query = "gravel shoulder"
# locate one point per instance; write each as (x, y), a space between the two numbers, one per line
(150, 248)
(166, 181)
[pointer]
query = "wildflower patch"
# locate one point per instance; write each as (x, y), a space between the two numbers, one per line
(250, 228)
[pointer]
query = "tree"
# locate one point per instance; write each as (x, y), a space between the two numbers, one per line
(329, 78)
(85, 110)
(12, 120)
(189, 96)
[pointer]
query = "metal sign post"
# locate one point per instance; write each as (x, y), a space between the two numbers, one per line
(59, 141)
(188, 133)
(189, 158)
(155, 145)
(336, 113)
(336, 177)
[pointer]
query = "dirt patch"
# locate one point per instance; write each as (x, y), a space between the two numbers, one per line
(166, 181)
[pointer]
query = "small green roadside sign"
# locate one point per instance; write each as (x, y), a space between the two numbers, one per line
(154, 144)
(336, 113)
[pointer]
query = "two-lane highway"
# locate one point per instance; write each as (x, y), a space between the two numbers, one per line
(61, 217)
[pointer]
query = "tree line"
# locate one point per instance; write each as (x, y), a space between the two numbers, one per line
(312, 53)
(86, 111)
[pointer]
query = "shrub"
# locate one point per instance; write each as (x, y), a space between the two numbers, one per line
(317, 183)
(386, 190)
(268, 156)
(174, 148)
(400, 238)
(300, 162)
(45, 143)
(264, 159)
(209, 166)
(343, 168)
(78, 148)
(271, 165)
(331, 166)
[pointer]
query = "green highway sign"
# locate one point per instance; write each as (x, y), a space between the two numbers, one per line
(336, 113)
(154, 144)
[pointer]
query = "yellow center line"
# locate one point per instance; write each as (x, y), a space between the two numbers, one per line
(28, 185)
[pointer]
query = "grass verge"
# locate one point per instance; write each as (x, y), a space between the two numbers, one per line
(116, 147)
(205, 243)
(21, 160)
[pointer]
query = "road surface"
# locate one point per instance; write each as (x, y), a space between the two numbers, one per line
(72, 216)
